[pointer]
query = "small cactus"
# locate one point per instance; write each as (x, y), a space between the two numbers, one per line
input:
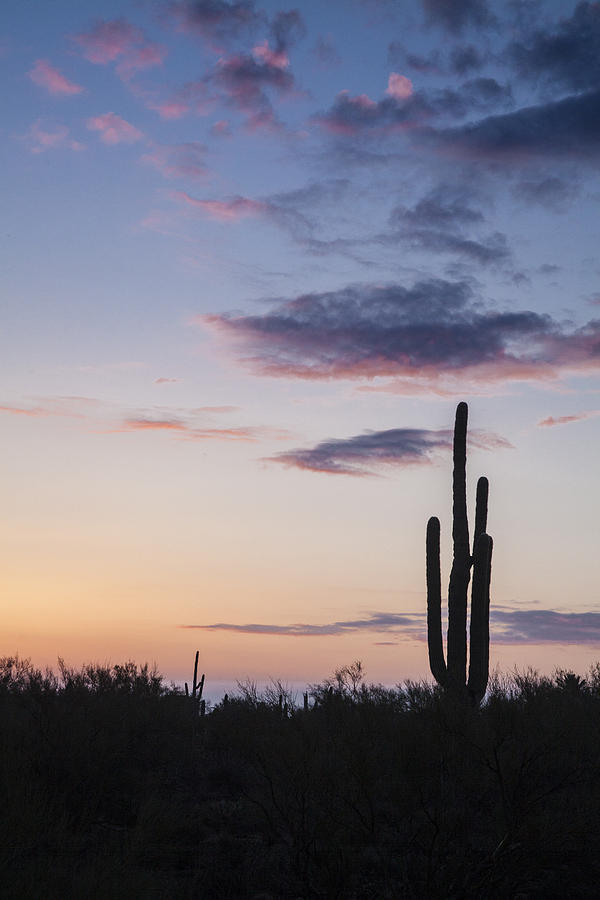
(197, 686)
(452, 675)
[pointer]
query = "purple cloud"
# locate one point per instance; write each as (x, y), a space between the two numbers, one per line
(244, 80)
(544, 626)
(567, 128)
(365, 454)
(217, 21)
(376, 621)
(569, 55)
(404, 109)
(551, 192)
(508, 626)
(431, 329)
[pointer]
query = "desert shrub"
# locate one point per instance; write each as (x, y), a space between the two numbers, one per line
(113, 786)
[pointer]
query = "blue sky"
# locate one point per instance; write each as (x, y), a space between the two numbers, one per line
(253, 256)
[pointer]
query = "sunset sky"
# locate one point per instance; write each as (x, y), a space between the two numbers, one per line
(252, 257)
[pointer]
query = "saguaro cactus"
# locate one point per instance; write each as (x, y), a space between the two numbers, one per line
(197, 687)
(452, 674)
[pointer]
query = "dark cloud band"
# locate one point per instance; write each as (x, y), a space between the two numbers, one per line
(431, 329)
(527, 626)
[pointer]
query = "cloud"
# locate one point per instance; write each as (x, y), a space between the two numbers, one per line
(551, 192)
(544, 626)
(522, 626)
(42, 137)
(454, 15)
(569, 55)
(233, 209)
(325, 53)
(287, 28)
(70, 407)
(434, 328)
(354, 115)
(225, 210)
(192, 97)
(120, 42)
(375, 621)
(217, 21)
(566, 420)
(466, 58)
(215, 409)
(32, 412)
(491, 250)
(188, 431)
(399, 86)
(403, 108)
(437, 224)
(399, 55)
(167, 380)
(364, 454)
(444, 206)
(49, 78)
(243, 80)
(221, 128)
(153, 425)
(178, 160)
(113, 129)
(567, 128)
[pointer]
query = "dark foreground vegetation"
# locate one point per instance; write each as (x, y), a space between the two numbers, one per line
(113, 787)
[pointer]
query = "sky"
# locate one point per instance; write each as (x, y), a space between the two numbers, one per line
(253, 256)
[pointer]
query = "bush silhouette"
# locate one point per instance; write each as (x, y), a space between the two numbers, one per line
(110, 788)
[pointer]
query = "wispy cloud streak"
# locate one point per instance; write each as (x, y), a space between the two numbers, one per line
(550, 421)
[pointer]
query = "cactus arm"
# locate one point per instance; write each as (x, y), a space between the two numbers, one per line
(481, 509)
(434, 603)
(201, 687)
(479, 656)
(461, 565)
(194, 682)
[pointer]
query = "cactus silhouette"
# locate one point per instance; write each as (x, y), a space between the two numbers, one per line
(197, 687)
(452, 675)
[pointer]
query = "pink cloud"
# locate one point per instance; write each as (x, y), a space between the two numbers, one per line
(566, 420)
(70, 407)
(276, 58)
(152, 425)
(46, 137)
(113, 129)
(171, 109)
(20, 411)
(221, 128)
(49, 78)
(226, 210)
(399, 86)
(167, 380)
(118, 40)
(187, 432)
(178, 160)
